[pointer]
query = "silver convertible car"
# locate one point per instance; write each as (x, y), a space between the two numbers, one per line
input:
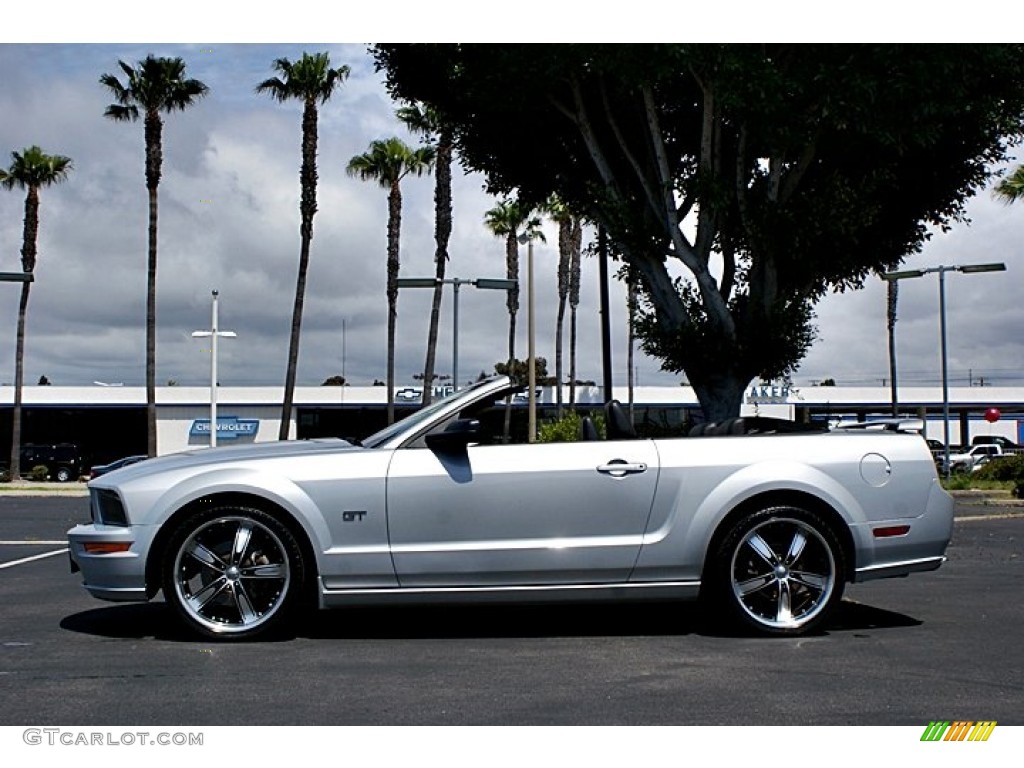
(765, 523)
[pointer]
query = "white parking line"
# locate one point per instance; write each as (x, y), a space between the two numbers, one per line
(13, 563)
(31, 542)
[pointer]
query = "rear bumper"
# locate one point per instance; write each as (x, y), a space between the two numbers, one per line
(922, 548)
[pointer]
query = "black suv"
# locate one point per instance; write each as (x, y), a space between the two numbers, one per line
(62, 461)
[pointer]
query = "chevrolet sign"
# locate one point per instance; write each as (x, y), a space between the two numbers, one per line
(228, 428)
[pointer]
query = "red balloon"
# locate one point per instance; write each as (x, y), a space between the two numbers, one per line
(992, 415)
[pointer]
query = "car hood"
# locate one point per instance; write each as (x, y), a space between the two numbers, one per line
(209, 457)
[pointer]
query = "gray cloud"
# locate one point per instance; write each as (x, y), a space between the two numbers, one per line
(229, 220)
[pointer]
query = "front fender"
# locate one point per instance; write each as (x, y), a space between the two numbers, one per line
(275, 489)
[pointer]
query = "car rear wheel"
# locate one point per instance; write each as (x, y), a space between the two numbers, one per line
(233, 573)
(779, 571)
(63, 474)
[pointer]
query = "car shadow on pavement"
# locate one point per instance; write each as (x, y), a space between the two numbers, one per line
(653, 619)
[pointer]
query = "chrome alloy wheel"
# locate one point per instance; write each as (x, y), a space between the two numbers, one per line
(231, 575)
(783, 573)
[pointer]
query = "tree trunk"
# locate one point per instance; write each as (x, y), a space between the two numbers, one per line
(394, 231)
(631, 297)
(442, 232)
(154, 160)
(721, 395)
(512, 302)
(19, 380)
(574, 301)
(564, 253)
(30, 235)
(307, 209)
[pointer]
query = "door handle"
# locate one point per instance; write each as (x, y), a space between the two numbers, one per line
(620, 468)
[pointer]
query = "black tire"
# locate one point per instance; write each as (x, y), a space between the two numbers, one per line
(63, 474)
(233, 573)
(778, 571)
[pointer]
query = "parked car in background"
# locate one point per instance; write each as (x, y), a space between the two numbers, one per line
(965, 461)
(1004, 442)
(63, 461)
(440, 507)
(102, 469)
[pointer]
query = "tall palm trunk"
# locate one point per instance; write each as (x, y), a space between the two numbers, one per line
(154, 159)
(442, 233)
(19, 381)
(574, 302)
(307, 209)
(631, 297)
(512, 302)
(394, 232)
(30, 234)
(564, 254)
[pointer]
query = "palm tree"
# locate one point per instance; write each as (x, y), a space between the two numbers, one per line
(31, 170)
(154, 86)
(1011, 188)
(506, 220)
(312, 81)
(424, 120)
(387, 162)
(576, 249)
(562, 216)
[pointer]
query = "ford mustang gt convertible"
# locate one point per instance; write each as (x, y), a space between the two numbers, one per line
(765, 522)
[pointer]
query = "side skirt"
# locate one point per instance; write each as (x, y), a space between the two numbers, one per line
(662, 590)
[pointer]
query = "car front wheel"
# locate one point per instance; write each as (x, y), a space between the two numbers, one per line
(233, 573)
(780, 571)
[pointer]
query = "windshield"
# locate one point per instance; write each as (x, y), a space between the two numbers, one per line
(418, 419)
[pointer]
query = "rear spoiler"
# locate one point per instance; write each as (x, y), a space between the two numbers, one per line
(887, 425)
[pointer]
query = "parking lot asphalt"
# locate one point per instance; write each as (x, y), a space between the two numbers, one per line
(940, 645)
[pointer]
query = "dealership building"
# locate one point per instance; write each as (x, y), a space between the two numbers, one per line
(109, 422)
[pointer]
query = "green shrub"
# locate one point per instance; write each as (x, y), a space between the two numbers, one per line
(39, 473)
(960, 482)
(1003, 469)
(567, 429)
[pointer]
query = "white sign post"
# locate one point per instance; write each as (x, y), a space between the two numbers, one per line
(213, 334)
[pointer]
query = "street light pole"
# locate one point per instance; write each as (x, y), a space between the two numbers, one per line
(213, 334)
(455, 334)
(941, 270)
(16, 277)
(485, 283)
(531, 366)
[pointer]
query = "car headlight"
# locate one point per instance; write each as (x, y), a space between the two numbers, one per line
(107, 508)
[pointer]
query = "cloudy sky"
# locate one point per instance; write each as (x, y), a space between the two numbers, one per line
(229, 220)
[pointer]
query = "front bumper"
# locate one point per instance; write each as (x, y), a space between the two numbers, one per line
(117, 576)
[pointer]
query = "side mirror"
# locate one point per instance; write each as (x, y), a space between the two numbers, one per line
(459, 434)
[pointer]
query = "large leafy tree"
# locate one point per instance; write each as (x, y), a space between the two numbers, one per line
(741, 182)
(423, 120)
(30, 170)
(311, 81)
(152, 88)
(387, 162)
